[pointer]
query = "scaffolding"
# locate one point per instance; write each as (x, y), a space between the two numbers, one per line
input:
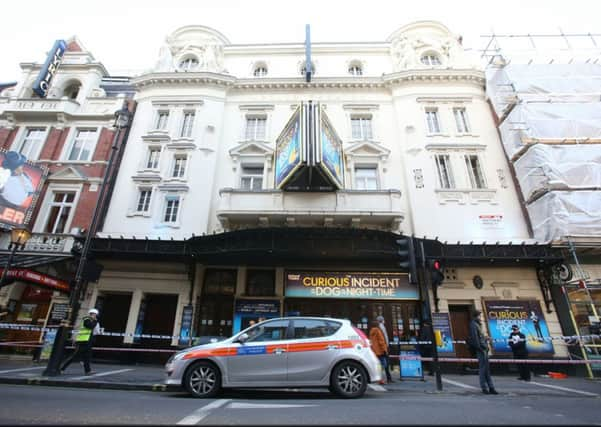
(546, 93)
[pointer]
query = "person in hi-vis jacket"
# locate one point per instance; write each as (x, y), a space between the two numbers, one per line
(84, 341)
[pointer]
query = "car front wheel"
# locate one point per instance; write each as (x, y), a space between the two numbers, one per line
(202, 379)
(349, 379)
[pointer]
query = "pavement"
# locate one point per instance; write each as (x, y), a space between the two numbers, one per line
(151, 378)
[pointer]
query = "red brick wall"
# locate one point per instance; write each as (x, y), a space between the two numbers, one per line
(54, 144)
(7, 136)
(85, 208)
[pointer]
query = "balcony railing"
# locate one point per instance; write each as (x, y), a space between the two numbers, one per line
(377, 209)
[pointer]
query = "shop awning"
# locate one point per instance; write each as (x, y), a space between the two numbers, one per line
(31, 260)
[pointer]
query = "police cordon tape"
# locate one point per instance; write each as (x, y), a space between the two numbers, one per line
(404, 357)
(567, 339)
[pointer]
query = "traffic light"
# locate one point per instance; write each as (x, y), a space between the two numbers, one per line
(406, 257)
(436, 272)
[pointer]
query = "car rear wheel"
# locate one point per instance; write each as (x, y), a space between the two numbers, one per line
(349, 380)
(202, 379)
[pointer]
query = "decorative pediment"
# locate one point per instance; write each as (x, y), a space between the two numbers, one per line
(367, 149)
(252, 151)
(68, 174)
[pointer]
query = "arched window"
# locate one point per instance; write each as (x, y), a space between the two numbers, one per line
(72, 90)
(260, 69)
(430, 59)
(188, 63)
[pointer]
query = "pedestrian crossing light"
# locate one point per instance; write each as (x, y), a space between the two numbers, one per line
(436, 272)
(406, 257)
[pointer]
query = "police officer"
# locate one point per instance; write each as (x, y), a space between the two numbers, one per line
(84, 340)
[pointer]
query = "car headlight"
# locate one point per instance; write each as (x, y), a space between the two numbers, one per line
(179, 356)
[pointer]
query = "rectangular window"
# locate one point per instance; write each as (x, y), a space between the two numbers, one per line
(260, 283)
(171, 209)
(60, 208)
(474, 170)
(432, 119)
(461, 120)
(187, 124)
(83, 145)
(179, 166)
(252, 178)
(144, 196)
(366, 178)
(361, 128)
(34, 139)
(445, 174)
(152, 158)
(161, 121)
(255, 128)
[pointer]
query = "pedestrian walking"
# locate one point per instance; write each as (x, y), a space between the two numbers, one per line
(478, 343)
(382, 326)
(84, 341)
(378, 345)
(517, 342)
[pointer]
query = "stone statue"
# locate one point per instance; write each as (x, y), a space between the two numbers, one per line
(404, 54)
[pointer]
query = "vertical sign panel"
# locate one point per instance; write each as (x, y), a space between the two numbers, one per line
(49, 69)
(289, 147)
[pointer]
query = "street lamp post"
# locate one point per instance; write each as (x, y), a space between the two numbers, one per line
(122, 118)
(18, 237)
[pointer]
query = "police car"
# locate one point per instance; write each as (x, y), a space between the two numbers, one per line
(282, 352)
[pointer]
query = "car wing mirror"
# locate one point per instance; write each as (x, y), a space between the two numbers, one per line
(242, 338)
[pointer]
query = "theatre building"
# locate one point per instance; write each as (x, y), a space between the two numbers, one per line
(261, 181)
(56, 123)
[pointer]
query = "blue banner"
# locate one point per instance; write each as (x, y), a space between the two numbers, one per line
(410, 368)
(441, 322)
(331, 151)
(288, 150)
(349, 285)
(49, 69)
(527, 314)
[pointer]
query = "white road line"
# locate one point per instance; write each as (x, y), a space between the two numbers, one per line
(458, 384)
(102, 374)
(586, 393)
(21, 369)
(199, 414)
(377, 387)
(243, 405)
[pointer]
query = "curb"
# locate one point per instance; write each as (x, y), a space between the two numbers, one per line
(44, 381)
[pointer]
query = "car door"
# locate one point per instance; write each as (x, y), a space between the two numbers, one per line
(262, 358)
(312, 350)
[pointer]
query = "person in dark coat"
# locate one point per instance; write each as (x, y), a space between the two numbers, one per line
(517, 342)
(478, 342)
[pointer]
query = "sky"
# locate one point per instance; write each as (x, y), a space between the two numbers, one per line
(126, 35)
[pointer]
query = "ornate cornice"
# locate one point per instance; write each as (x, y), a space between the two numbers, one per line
(471, 76)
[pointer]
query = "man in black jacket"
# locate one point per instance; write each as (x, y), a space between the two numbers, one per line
(517, 342)
(478, 342)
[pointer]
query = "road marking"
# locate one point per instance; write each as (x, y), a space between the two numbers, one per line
(242, 405)
(199, 414)
(377, 387)
(21, 369)
(103, 374)
(458, 384)
(586, 393)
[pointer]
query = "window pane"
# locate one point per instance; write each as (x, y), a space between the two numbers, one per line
(187, 125)
(309, 328)
(443, 166)
(274, 330)
(58, 214)
(171, 209)
(260, 283)
(475, 171)
(82, 145)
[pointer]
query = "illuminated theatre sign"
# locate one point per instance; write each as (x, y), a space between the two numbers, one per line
(349, 285)
(309, 153)
(49, 69)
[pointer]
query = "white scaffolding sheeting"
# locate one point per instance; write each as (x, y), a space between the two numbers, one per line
(516, 83)
(558, 167)
(573, 122)
(563, 213)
